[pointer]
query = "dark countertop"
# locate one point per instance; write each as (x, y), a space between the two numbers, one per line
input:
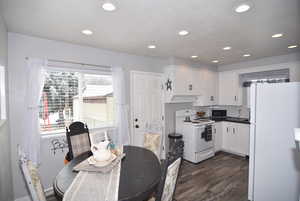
(230, 119)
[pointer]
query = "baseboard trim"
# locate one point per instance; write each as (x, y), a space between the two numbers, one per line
(25, 198)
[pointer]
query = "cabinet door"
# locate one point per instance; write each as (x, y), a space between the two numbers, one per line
(244, 138)
(197, 82)
(226, 137)
(183, 80)
(218, 131)
(240, 138)
(235, 139)
(229, 89)
(210, 87)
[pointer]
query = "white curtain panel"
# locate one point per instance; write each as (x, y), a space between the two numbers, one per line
(121, 135)
(30, 144)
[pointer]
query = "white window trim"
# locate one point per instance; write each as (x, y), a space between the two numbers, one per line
(63, 134)
(2, 93)
(86, 70)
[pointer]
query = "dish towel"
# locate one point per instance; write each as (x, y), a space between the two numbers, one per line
(95, 186)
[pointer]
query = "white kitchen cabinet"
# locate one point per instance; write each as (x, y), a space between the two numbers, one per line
(209, 81)
(188, 84)
(244, 138)
(227, 137)
(230, 91)
(218, 130)
(182, 82)
(236, 138)
(208, 87)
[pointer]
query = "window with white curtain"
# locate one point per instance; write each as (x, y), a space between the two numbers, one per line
(70, 96)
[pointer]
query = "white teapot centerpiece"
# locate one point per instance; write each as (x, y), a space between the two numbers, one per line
(101, 151)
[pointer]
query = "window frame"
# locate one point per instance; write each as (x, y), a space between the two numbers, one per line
(3, 94)
(87, 70)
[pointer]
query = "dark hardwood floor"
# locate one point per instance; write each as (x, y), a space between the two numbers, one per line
(221, 178)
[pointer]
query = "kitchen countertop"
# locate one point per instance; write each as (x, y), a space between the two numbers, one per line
(230, 119)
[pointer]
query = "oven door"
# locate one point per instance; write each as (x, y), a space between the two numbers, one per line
(201, 143)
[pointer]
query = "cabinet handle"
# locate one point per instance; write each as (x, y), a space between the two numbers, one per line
(235, 98)
(234, 130)
(227, 129)
(215, 130)
(136, 126)
(190, 87)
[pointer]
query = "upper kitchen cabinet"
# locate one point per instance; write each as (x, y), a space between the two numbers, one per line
(209, 83)
(230, 91)
(182, 84)
(190, 84)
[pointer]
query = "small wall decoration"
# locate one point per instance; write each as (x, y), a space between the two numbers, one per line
(59, 145)
(169, 85)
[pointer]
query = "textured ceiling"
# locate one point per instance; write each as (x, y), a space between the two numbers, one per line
(137, 23)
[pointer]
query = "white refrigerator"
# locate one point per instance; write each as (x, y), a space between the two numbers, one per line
(274, 169)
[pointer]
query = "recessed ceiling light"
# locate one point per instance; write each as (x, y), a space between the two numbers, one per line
(246, 55)
(194, 56)
(277, 35)
(292, 46)
(108, 6)
(215, 61)
(227, 48)
(151, 46)
(87, 32)
(242, 8)
(183, 33)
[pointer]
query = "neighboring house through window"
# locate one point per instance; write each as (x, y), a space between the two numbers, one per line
(76, 96)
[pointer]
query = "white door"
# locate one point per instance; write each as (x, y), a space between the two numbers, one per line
(146, 105)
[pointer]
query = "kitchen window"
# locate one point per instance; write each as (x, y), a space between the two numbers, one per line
(70, 96)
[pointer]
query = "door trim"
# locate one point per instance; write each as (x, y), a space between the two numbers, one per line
(162, 106)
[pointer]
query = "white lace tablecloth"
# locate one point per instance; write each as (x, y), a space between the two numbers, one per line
(95, 186)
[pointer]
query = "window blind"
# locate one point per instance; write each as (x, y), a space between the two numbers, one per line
(273, 76)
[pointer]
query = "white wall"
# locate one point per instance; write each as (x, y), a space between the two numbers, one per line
(291, 61)
(21, 46)
(6, 190)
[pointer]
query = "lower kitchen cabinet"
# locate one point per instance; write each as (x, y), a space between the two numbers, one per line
(235, 138)
(218, 130)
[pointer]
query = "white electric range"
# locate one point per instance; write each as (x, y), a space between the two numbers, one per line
(198, 135)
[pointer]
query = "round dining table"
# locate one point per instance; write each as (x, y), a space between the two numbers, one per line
(139, 178)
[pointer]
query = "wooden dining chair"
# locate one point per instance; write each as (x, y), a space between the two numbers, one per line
(32, 179)
(78, 138)
(152, 142)
(167, 186)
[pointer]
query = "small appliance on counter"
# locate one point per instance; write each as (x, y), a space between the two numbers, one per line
(218, 115)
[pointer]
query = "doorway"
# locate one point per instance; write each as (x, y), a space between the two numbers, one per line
(146, 106)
